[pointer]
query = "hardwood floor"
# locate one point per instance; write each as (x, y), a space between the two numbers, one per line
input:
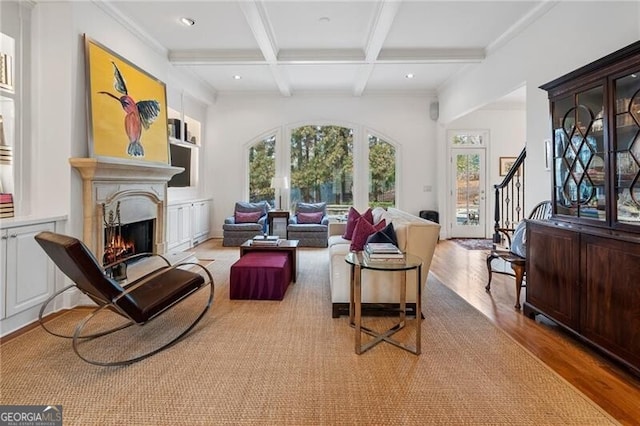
(606, 383)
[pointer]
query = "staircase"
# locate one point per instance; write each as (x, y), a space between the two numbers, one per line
(509, 202)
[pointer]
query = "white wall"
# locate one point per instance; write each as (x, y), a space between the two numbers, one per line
(236, 120)
(570, 35)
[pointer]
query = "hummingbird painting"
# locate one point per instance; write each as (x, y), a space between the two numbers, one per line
(138, 114)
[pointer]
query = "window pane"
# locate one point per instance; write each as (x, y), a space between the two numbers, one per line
(468, 189)
(322, 166)
(382, 173)
(262, 166)
(472, 139)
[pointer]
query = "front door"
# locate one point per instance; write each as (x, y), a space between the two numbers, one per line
(467, 195)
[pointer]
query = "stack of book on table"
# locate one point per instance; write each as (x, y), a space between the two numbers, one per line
(383, 252)
(265, 240)
(6, 206)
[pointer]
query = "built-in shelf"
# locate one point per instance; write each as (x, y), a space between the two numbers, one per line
(185, 136)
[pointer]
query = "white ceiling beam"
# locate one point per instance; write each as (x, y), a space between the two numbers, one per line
(257, 19)
(320, 56)
(216, 57)
(431, 55)
(386, 13)
(323, 56)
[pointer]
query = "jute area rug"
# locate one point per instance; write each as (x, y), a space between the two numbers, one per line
(289, 363)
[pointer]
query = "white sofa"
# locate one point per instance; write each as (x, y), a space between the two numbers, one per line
(415, 236)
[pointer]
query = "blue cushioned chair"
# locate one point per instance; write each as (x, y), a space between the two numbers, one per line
(234, 234)
(309, 234)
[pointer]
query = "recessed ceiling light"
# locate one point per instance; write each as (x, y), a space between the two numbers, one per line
(409, 76)
(324, 19)
(237, 77)
(188, 22)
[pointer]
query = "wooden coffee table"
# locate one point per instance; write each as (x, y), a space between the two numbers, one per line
(288, 246)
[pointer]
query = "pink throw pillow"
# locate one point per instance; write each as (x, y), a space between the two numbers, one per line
(247, 217)
(362, 232)
(352, 219)
(315, 217)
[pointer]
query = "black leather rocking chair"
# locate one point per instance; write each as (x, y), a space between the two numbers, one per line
(138, 302)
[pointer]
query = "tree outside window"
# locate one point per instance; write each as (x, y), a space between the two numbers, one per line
(382, 173)
(322, 166)
(262, 167)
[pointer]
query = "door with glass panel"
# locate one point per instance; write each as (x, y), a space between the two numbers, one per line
(467, 193)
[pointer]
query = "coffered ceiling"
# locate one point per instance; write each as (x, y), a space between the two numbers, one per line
(299, 46)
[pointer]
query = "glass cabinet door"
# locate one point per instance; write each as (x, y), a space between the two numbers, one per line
(627, 148)
(579, 154)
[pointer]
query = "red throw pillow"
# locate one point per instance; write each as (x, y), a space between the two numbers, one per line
(362, 232)
(315, 217)
(247, 217)
(352, 218)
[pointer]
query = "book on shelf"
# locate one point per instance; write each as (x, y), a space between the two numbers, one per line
(6, 206)
(6, 198)
(5, 154)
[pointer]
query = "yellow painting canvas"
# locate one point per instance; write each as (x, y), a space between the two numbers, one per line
(127, 108)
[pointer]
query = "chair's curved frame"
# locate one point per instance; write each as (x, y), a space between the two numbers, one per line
(541, 211)
(101, 299)
(77, 335)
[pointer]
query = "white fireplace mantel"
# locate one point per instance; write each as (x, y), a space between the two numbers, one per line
(141, 188)
(112, 169)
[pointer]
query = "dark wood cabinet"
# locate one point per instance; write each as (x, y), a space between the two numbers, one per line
(610, 294)
(553, 264)
(583, 265)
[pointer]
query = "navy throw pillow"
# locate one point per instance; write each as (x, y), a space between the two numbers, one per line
(385, 235)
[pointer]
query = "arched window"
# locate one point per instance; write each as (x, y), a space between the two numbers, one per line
(382, 173)
(322, 166)
(262, 166)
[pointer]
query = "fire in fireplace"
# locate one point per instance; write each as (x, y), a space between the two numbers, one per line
(124, 240)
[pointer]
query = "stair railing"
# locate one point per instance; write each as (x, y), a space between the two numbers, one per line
(509, 201)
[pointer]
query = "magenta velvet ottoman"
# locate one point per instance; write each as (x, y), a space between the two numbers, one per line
(261, 276)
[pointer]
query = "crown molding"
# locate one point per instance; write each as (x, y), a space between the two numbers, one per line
(521, 24)
(108, 7)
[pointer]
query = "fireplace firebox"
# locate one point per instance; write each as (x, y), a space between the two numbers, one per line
(126, 240)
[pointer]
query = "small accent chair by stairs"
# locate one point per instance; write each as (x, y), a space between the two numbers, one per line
(515, 255)
(248, 220)
(139, 302)
(309, 225)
